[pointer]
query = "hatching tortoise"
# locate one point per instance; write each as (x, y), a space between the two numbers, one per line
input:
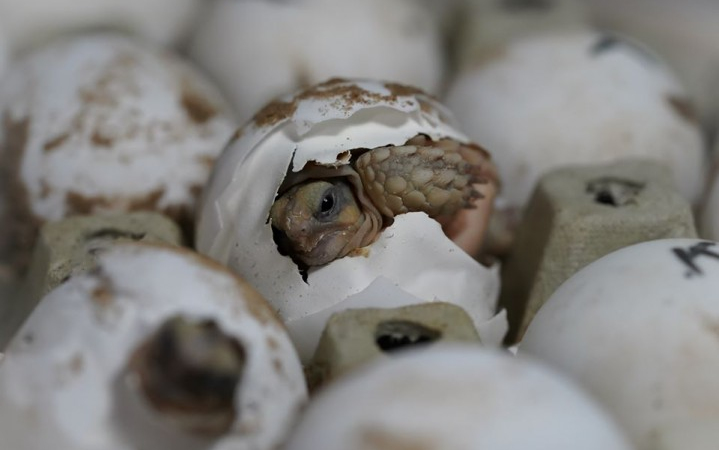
(323, 213)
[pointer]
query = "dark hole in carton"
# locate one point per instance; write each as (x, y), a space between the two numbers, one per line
(613, 191)
(112, 233)
(395, 335)
(526, 5)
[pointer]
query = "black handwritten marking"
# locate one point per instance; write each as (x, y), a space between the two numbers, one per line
(605, 43)
(688, 257)
(608, 41)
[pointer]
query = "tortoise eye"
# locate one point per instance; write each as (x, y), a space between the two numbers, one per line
(328, 202)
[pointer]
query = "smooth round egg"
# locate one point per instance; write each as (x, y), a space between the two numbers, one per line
(684, 33)
(577, 98)
(412, 260)
(102, 122)
(164, 22)
(454, 397)
(638, 329)
(258, 50)
(78, 375)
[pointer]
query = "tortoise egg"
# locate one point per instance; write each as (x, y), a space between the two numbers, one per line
(639, 329)
(412, 260)
(158, 348)
(454, 397)
(684, 33)
(282, 46)
(160, 21)
(101, 123)
(601, 98)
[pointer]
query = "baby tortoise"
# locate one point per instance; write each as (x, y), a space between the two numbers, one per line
(323, 213)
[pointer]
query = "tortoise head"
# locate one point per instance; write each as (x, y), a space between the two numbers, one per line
(319, 220)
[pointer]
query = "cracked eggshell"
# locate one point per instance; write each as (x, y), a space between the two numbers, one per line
(577, 98)
(63, 382)
(454, 397)
(103, 123)
(278, 47)
(639, 329)
(412, 261)
(28, 23)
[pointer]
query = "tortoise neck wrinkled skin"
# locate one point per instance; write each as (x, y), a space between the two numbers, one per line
(326, 212)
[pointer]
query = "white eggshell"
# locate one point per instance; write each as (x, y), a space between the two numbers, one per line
(30, 22)
(413, 253)
(454, 397)
(577, 98)
(257, 50)
(639, 329)
(62, 382)
(101, 122)
(684, 33)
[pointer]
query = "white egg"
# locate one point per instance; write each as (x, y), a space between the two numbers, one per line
(70, 379)
(258, 50)
(412, 261)
(103, 123)
(577, 98)
(27, 23)
(684, 33)
(454, 397)
(639, 329)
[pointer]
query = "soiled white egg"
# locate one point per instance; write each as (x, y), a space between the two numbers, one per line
(577, 98)
(157, 348)
(454, 397)
(639, 329)
(329, 128)
(101, 122)
(27, 23)
(258, 50)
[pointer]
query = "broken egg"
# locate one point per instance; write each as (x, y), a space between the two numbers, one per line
(457, 397)
(157, 348)
(258, 50)
(161, 21)
(639, 330)
(577, 98)
(323, 202)
(102, 123)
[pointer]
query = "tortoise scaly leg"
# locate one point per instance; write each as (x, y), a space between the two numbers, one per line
(438, 178)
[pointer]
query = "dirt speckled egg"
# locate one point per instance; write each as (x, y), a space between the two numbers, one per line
(103, 123)
(577, 98)
(639, 329)
(454, 397)
(160, 21)
(278, 47)
(157, 348)
(318, 139)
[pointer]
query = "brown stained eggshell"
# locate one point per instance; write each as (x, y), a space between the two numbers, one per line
(70, 379)
(102, 123)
